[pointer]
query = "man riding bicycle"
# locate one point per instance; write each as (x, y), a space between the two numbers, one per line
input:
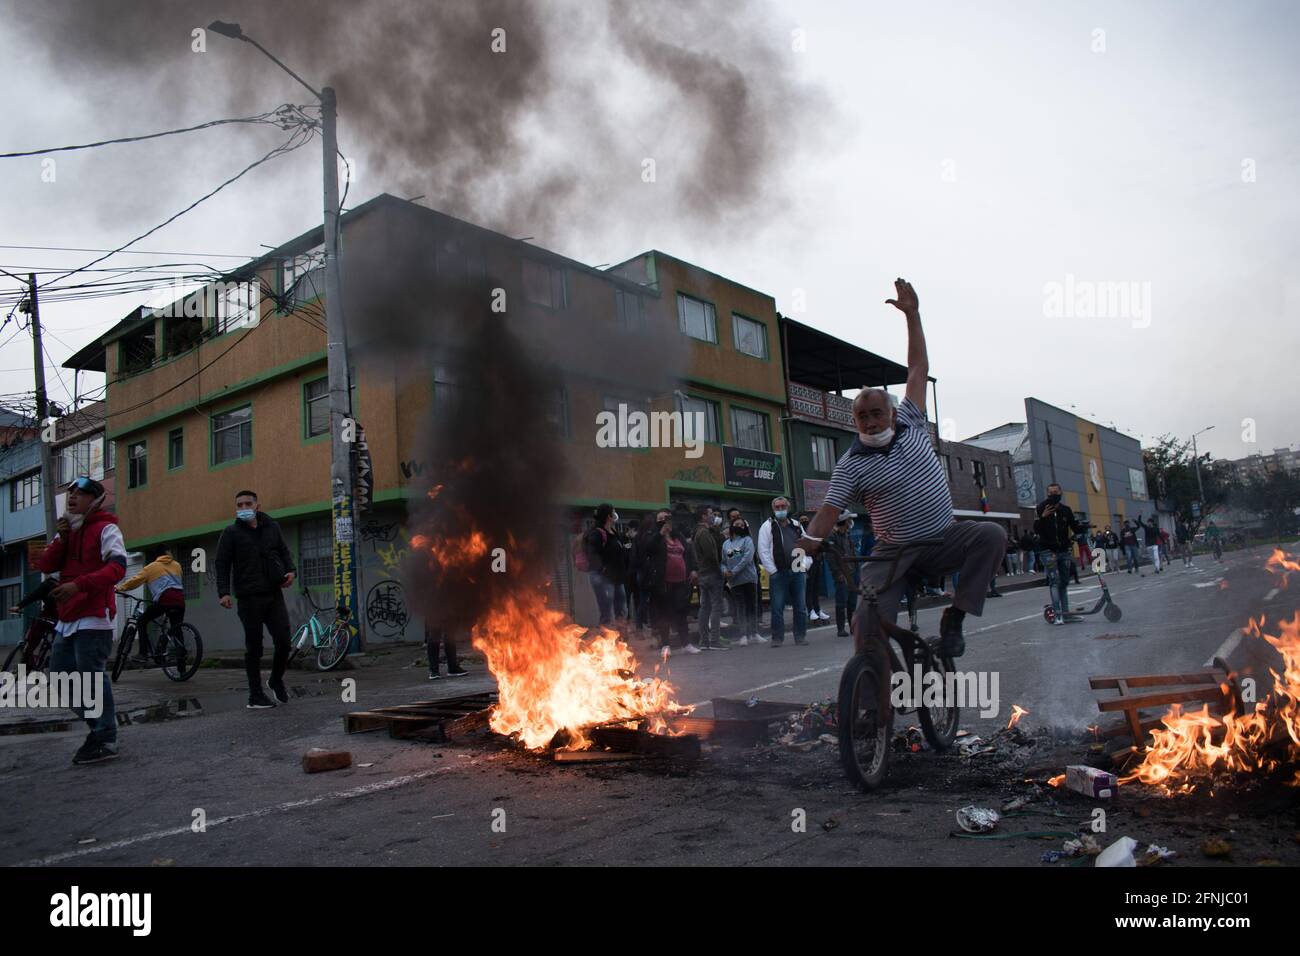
(893, 470)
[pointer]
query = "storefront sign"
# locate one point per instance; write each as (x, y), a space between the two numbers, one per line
(752, 469)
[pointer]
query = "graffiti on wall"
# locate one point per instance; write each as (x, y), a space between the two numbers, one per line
(386, 614)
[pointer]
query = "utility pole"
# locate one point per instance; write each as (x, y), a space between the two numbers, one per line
(345, 564)
(42, 407)
(346, 583)
(1200, 488)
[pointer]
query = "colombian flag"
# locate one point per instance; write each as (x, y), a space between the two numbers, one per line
(984, 500)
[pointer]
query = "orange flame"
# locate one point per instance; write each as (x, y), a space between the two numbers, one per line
(1016, 713)
(1056, 781)
(1192, 747)
(1279, 562)
(549, 679)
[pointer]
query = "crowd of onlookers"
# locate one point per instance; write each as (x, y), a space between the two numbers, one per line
(647, 578)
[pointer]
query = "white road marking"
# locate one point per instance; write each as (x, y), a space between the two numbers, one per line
(361, 791)
(1226, 648)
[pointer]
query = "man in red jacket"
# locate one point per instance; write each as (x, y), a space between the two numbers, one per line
(89, 556)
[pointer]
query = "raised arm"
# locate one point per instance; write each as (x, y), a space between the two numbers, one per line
(918, 359)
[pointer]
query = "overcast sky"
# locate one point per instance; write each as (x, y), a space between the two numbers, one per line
(982, 150)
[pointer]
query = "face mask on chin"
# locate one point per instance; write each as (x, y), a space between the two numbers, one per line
(879, 440)
(76, 521)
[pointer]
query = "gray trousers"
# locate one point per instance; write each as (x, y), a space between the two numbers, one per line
(973, 549)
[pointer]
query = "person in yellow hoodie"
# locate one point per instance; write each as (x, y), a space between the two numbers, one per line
(163, 575)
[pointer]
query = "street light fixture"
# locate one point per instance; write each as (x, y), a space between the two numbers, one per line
(345, 579)
(1200, 489)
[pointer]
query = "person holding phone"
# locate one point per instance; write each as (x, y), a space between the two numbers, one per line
(254, 562)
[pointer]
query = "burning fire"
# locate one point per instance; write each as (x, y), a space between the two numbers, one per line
(549, 679)
(1279, 563)
(1193, 746)
(1016, 713)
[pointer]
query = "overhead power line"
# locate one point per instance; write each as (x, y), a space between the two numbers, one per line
(282, 116)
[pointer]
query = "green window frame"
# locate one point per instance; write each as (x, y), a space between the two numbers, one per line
(137, 469)
(749, 332)
(175, 449)
(823, 454)
(233, 424)
(316, 407)
(742, 432)
(688, 405)
(696, 315)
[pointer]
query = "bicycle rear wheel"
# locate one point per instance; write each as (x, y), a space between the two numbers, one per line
(181, 656)
(939, 722)
(865, 718)
(335, 647)
(123, 651)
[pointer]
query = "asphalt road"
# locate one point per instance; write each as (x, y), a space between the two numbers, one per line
(481, 802)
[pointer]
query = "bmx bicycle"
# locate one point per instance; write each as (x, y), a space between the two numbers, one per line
(1105, 604)
(865, 713)
(33, 651)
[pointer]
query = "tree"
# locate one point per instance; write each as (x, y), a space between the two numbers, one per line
(1276, 496)
(1171, 476)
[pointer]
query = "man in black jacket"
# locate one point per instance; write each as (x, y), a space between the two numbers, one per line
(1055, 530)
(254, 550)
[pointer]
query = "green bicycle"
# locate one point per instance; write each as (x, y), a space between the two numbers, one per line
(329, 641)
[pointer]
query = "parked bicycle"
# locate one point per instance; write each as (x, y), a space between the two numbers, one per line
(178, 656)
(329, 641)
(865, 712)
(33, 651)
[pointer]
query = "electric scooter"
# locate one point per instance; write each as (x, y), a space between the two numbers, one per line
(1104, 603)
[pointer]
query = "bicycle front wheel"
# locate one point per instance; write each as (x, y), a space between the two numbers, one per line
(939, 722)
(299, 641)
(335, 647)
(11, 662)
(865, 719)
(182, 655)
(123, 651)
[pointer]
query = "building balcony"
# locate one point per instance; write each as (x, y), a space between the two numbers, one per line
(813, 404)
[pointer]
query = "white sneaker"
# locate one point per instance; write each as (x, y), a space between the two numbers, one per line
(743, 642)
(758, 639)
(1061, 621)
(691, 649)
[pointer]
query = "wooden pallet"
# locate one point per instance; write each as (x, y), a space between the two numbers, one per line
(1218, 688)
(436, 720)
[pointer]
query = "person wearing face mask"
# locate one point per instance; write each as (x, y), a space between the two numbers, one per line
(742, 580)
(89, 556)
(254, 562)
(607, 565)
(667, 578)
(777, 539)
(894, 473)
(707, 543)
(1055, 529)
(813, 599)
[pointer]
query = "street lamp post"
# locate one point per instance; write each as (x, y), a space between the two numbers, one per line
(336, 352)
(1200, 489)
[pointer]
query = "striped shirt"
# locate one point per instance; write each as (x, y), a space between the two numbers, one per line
(903, 486)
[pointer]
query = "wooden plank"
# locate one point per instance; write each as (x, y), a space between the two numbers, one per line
(1156, 680)
(685, 746)
(595, 756)
(1208, 695)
